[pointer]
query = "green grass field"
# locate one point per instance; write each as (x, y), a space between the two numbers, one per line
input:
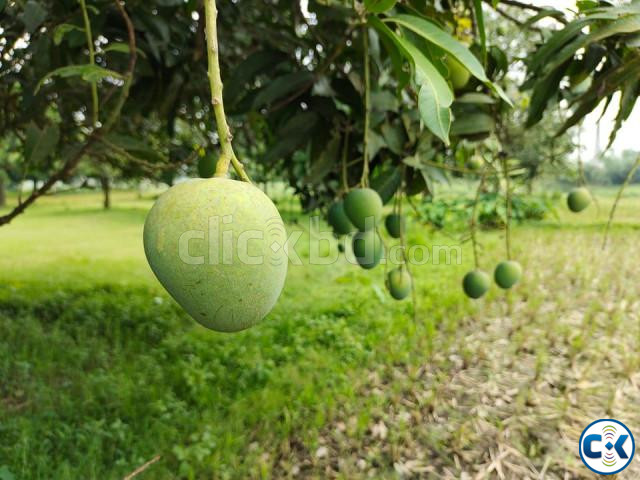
(101, 372)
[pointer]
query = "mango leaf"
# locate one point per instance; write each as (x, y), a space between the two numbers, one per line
(33, 15)
(122, 48)
(449, 44)
(607, 84)
(88, 73)
(627, 24)
(386, 180)
(472, 124)
(324, 163)
(628, 99)
(282, 87)
(543, 91)
(379, 6)
(435, 117)
(40, 144)
(395, 137)
(62, 29)
(247, 70)
(442, 39)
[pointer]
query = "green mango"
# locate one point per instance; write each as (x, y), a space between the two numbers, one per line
(458, 74)
(507, 274)
(399, 283)
(219, 248)
(367, 248)
(338, 220)
(578, 199)
(206, 166)
(394, 223)
(363, 206)
(475, 284)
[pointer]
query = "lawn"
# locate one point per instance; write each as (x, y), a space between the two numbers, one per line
(101, 372)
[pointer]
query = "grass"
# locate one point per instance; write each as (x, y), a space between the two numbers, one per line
(101, 371)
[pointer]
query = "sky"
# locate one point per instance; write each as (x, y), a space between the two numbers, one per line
(628, 137)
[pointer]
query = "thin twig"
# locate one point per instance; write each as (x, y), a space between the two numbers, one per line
(473, 223)
(618, 196)
(142, 468)
(364, 181)
(227, 155)
(508, 207)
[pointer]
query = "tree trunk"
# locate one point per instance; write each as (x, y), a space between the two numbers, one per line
(106, 191)
(3, 196)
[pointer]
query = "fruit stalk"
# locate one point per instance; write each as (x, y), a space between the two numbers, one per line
(507, 196)
(473, 223)
(364, 181)
(405, 264)
(615, 202)
(92, 61)
(227, 155)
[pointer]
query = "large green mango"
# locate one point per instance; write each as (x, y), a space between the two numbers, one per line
(219, 248)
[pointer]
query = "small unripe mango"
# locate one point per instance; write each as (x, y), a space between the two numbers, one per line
(507, 274)
(363, 206)
(206, 166)
(338, 220)
(399, 283)
(475, 284)
(458, 74)
(368, 248)
(394, 224)
(578, 199)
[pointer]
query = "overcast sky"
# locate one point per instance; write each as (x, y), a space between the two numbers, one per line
(628, 137)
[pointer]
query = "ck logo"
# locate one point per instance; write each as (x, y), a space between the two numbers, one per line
(607, 446)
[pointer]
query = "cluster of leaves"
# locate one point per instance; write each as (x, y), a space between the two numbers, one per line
(599, 55)
(295, 90)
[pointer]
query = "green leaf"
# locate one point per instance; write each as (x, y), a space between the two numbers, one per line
(436, 117)
(247, 70)
(628, 99)
(627, 24)
(62, 29)
(282, 87)
(40, 144)
(121, 47)
(33, 15)
(395, 137)
(605, 85)
(472, 124)
(442, 39)
(436, 95)
(446, 42)
(543, 91)
(386, 180)
(379, 6)
(324, 163)
(89, 73)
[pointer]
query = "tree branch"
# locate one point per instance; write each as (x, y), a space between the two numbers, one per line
(72, 162)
